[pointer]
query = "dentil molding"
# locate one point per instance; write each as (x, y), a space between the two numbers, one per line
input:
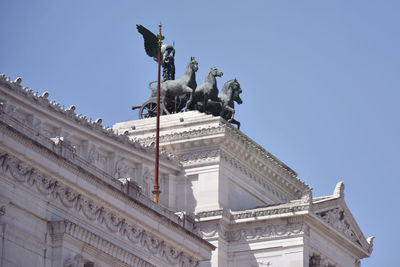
(91, 210)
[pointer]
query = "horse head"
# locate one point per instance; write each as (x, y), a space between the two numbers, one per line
(193, 64)
(215, 72)
(236, 91)
(231, 92)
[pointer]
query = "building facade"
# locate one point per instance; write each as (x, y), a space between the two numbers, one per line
(75, 193)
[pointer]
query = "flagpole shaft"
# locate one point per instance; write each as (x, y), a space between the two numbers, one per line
(156, 189)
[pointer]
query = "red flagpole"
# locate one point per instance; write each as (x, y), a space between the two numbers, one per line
(156, 192)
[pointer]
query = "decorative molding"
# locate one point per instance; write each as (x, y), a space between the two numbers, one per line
(198, 157)
(339, 190)
(270, 160)
(69, 114)
(211, 213)
(307, 197)
(336, 218)
(261, 181)
(238, 140)
(96, 241)
(250, 233)
(283, 209)
(254, 213)
(370, 241)
(267, 232)
(95, 176)
(184, 135)
(79, 261)
(51, 188)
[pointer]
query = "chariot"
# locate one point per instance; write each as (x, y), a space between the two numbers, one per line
(168, 105)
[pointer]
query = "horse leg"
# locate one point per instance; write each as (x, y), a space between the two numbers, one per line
(189, 91)
(227, 113)
(204, 104)
(233, 121)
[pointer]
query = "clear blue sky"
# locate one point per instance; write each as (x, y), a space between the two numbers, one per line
(320, 80)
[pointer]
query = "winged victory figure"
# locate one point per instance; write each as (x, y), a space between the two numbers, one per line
(167, 52)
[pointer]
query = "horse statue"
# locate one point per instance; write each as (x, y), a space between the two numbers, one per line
(225, 106)
(206, 91)
(180, 88)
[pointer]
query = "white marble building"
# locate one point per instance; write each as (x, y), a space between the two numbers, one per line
(74, 193)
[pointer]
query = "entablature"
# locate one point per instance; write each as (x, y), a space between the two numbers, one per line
(99, 145)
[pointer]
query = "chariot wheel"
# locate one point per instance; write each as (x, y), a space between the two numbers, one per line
(149, 109)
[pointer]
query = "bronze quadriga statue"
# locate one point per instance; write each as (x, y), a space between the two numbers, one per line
(184, 94)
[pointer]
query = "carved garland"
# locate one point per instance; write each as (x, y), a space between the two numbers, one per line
(51, 188)
(257, 233)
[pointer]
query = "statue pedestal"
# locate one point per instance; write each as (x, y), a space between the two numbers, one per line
(222, 167)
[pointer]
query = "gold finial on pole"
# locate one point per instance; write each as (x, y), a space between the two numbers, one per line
(159, 35)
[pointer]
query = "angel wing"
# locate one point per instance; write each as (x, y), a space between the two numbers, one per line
(150, 42)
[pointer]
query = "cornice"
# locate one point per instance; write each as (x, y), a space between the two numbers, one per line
(289, 209)
(116, 190)
(65, 156)
(228, 139)
(80, 121)
(96, 241)
(271, 185)
(192, 134)
(251, 232)
(92, 210)
(261, 159)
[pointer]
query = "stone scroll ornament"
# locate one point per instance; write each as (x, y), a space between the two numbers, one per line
(184, 94)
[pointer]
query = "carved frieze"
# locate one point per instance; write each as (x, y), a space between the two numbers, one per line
(266, 232)
(183, 135)
(147, 182)
(44, 102)
(337, 219)
(96, 241)
(269, 212)
(197, 157)
(89, 209)
(211, 213)
(93, 155)
(248, 233)
(121, 169)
